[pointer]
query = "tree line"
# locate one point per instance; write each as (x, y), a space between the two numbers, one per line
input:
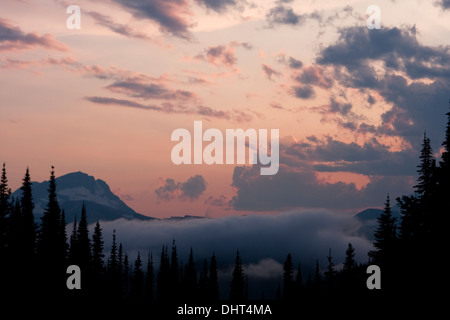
(35, 257)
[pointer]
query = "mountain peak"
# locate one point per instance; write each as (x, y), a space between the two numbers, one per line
(74, 189)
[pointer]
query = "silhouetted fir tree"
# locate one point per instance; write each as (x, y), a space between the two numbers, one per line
(317, 281)
(174, 273)
(97, 250)
(330, 274)
(113, 262)
(126, 273)
(13, 259)
(385, 237)
(120, 258)
(213, 285)
(349, 263)
(298, 285)
(52, 246)
(190, 285)
(137, 282)
(237, 285)
(203, 282)
(5, 208)
(62, 235)
(426, 169)
(27, 230)
(163, 278)
(442, 203)
(113, 273)
(149, 280)
(84, 243)
(74, 247)
(288, 278)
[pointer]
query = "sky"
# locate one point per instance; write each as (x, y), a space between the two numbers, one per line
(351, 103)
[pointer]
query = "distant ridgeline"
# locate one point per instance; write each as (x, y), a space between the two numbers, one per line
(35, 254)
(76, 188)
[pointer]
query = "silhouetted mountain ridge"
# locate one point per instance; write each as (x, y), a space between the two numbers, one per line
(76, 188)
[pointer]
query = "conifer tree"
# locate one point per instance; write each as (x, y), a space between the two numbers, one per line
(203, 282)
(84, 242)
(5, 208)
(331, 272)
(73, 244)
(385, 236)
(27, 232)
(97, 250)
(52, 248)
(113, 263)
(163, 278)
(299, 282)
(288, 278)
(445, 163)
(237, 285)
(174, 273)
(349, 263)
(137, 283)
(213, 285)
(149, 279)
(426, 170)
(190, 278)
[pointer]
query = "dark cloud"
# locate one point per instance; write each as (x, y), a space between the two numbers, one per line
(121, 102)
(269, 71)
(218, 5)
(398, 48)
(292, 187)
(444, 4)
(170, 108)
(220, 201)
(371, 158)
(294, 63)
(315, 75)
(190, 189)
(304, 92)
(224, 54)
(13, 38)
(170, 15)
(116, 27)
(281, 14)
(146, 90)
(415, 79)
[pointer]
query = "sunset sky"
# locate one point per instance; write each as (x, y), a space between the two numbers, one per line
(351, 104)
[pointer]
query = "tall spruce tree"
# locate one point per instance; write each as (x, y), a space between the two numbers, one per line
(213, 285)
(190, 278)
(385, 236)
(52, 247)
(349, 263)
(27, 231)
(288, 278)
(5, 209)
(84, 242)
(149, 280)
(163, 279)
(237, 285)
(137, 283)
(331, 272)
(426, 170)
(203, 282)
(174, 273)
(97, 250)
